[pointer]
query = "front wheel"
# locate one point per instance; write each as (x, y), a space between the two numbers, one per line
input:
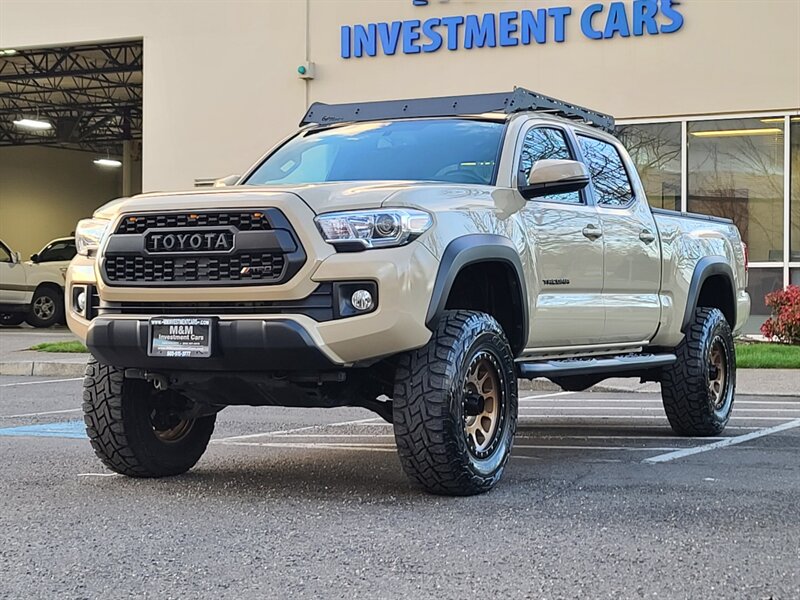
(138, 431)
(697, 391)
(47, 308)
(455, 406)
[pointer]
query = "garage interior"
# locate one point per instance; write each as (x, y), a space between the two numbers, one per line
(70, 136)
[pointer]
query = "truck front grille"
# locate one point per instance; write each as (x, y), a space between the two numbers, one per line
(257, 247)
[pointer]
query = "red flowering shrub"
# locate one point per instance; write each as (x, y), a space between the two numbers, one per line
(784, 324)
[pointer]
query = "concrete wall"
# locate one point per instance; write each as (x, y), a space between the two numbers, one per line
(221, 87)
(45, 191)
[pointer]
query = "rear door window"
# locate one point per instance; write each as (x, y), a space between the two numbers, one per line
(610, 181)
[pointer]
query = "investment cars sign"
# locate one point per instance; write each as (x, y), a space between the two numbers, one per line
(599, 21)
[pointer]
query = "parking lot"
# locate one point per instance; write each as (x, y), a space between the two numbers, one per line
(598, 501)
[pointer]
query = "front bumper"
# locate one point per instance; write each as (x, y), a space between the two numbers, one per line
(246, 345)
(404, 278)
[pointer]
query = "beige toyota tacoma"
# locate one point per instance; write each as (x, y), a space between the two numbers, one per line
(414, 258)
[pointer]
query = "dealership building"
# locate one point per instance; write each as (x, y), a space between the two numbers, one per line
(103, 99)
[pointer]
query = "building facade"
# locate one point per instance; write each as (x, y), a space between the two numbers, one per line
(706, 93)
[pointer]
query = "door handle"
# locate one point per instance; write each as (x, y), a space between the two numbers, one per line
(647, 236)
(592, 232)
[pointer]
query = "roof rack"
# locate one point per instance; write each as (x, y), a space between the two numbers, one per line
(451, 106)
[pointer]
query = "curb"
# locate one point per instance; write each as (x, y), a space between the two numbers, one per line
(29, 368)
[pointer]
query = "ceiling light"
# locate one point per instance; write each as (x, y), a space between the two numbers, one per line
(780, 120)
(8, 52)
(107, 162)
(33, 124)
(737, 132)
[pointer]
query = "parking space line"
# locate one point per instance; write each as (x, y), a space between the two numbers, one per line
(39, 414)
(314, 446)
(553, 395)
(647, 408)
(297, 430)
(723, 443)
(659, 402)
(41, 382)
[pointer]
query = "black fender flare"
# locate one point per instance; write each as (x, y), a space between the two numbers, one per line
(469, 250)
(706, 267)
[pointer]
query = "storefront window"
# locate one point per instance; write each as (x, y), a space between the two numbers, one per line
(735, 170)
(761, 282)
(795, 190)
(656, 150)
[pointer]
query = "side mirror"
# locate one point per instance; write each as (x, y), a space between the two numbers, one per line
(227, 181)
(16, 258)
(555, 177)
(35, 258)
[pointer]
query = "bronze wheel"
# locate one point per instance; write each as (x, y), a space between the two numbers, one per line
(717, 372)
(483, 404)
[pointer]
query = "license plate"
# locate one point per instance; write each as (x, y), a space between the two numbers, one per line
(180, 337)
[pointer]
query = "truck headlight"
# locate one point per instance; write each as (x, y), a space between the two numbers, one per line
(382, 228)
(88, 234)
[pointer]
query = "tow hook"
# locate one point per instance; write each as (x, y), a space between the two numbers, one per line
(160, 382)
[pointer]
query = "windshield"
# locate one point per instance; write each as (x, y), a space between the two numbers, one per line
(455, 151)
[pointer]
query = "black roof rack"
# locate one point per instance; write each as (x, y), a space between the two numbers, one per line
(451, 106)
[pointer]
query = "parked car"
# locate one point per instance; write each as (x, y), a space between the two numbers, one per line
(33, 291)
(414, 258)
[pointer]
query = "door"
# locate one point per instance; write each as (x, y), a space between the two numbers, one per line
(564, 233)
(13, 284)
(632, 271)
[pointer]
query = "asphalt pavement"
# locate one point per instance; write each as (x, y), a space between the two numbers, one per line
(291, 503)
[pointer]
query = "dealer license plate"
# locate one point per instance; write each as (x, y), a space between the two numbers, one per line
(180, 337)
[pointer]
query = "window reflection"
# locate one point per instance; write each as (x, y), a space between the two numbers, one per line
(795, 189)
(656, 152)
(543, 143)
(609, 177)
(735, 170)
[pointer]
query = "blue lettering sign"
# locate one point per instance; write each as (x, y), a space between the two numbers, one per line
(598, 21)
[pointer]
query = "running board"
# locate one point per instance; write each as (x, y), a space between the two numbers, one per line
(630, 365)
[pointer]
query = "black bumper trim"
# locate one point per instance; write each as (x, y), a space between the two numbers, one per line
(239, 345)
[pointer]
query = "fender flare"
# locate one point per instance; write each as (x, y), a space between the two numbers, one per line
(706, 267)
(469, 250)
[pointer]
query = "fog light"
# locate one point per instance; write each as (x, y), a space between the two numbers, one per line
(80, 302)
(362, 300)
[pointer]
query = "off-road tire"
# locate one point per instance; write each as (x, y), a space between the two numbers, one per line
(54, 300)
(688, 401)
(117, 419)
(429, 410)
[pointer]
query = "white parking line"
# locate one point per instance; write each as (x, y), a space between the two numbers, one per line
(636, 401)
(553, 395)
(297, 430)
(634, 417)
(39, 414)
(647, 408)
(41, 382)
(661, 458)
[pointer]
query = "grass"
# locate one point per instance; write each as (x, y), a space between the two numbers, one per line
(73, 346)
(758, 355)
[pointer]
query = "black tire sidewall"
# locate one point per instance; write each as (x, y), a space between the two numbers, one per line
(487, 341)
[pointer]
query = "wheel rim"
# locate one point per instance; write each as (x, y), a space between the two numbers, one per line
(717, 373)
(44, 307)
(483, 401)
(169, 428)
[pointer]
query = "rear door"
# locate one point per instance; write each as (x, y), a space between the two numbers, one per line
(564, 232)
(632, 279)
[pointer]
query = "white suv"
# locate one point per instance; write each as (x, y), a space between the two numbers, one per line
(33, 291)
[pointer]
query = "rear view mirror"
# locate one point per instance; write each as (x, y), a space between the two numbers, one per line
(555, 177)
(226, 181)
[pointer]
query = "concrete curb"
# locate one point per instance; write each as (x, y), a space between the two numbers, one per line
(31, 368)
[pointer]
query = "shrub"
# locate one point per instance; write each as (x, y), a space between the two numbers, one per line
(784, 324)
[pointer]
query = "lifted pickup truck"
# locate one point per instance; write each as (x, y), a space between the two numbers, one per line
(414, 258)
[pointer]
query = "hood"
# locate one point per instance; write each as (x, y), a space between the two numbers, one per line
(320, 197)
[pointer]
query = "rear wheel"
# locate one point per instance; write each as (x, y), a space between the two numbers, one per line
(47, 308)
(698, 389)
(455, 406)
(139, 431)
(11, 319)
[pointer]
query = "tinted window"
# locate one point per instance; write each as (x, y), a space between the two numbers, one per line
(451, 150)
(541, 143)
(61, 250)
(609, 177)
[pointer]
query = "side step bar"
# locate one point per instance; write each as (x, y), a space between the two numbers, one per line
(627, 365)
